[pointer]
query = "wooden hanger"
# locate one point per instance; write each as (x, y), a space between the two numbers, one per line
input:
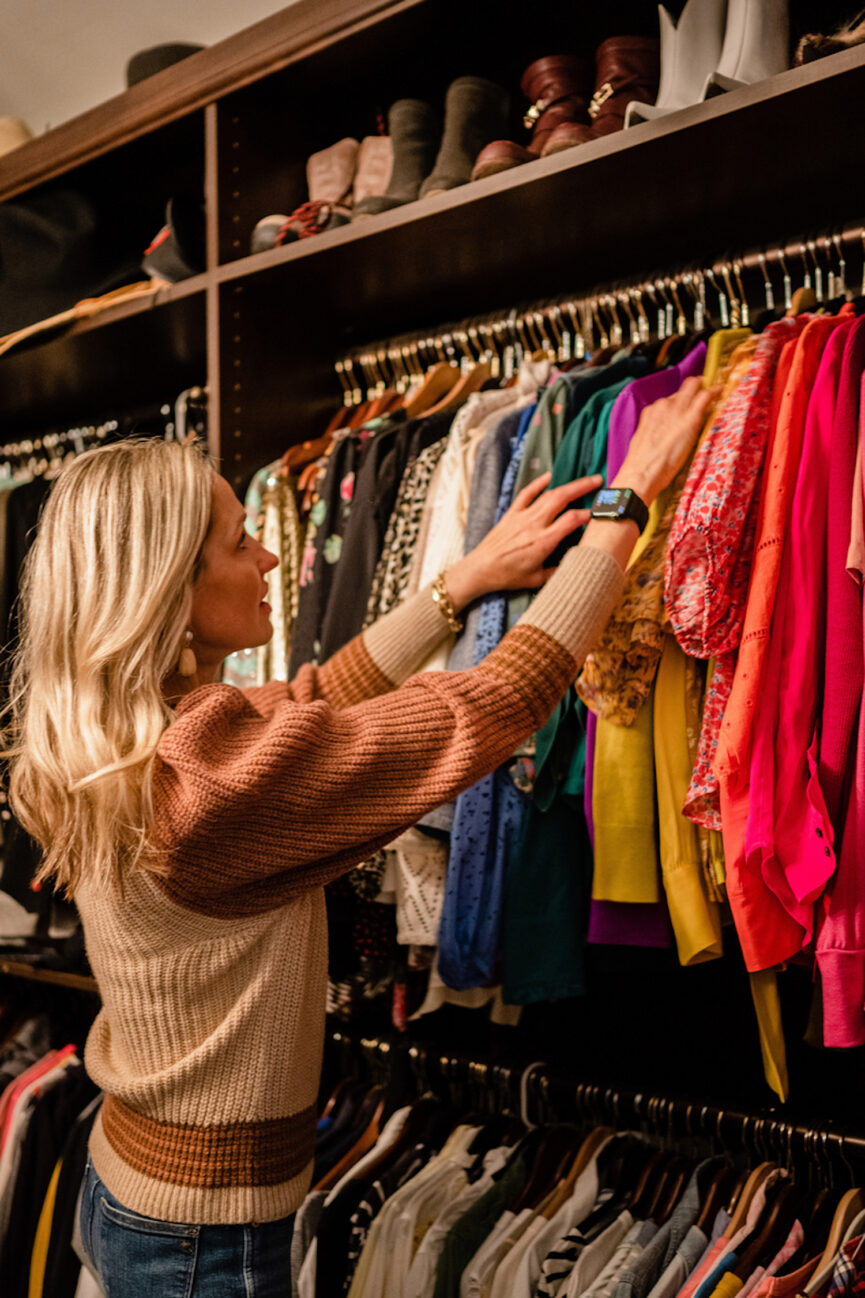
(852, 1202)
(743, 1203)
(472, 381)
(363, 1145)
(647, 1184)
(804, 299)
(335, 1096)
(670, 1189)
(303, 453)
(771, 1233)
(581, 1161)
(554, 1155)
(719, 1192)
(441, 378)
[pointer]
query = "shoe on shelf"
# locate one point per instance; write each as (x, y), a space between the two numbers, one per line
(756, 45)
(476, 112)
(626, 69)
(415, 129)
(266, 232)
(329, 180)
(558, 88)
(690, 53)
(374, 167)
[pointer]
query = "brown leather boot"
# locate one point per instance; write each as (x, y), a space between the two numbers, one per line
(627, 69)
(558, 90)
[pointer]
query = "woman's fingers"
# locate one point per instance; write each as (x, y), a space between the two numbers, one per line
(556, 499)
(530, 492)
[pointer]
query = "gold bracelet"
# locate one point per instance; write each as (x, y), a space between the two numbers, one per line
(445, 603)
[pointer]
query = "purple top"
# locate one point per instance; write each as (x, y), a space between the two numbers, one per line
(622, 923)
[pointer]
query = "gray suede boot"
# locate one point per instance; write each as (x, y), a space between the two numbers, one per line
(476, 112)
(415, 131)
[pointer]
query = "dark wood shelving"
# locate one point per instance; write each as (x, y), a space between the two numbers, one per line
(708, 179)
(19, 969)
(240, 60)
(131, 353)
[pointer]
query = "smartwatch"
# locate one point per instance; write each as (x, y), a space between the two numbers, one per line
(619, 503)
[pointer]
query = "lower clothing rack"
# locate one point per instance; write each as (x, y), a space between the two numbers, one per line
(541, 1096)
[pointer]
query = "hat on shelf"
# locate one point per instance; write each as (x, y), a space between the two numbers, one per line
(13, 133)
(53, 252)
(146, 63)
(178, 250)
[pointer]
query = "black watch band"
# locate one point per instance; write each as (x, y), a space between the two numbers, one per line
(619, 503)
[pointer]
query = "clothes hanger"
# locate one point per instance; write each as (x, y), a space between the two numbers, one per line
(556, 1151)
(848, 1207)
(722, 1189)
(469, 380)
(743, 1203)
(439, 380)
(770, 1234)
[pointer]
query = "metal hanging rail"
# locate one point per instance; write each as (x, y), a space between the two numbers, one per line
(543, 1096)
(569, 327)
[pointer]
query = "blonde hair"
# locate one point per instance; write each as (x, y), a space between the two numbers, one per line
(105, 600)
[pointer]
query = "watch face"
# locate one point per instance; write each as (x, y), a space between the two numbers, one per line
(607, 496)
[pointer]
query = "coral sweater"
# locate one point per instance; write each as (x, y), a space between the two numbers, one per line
(212, 974)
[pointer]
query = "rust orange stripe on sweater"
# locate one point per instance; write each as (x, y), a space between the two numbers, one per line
(351, 676)
(213, 1157)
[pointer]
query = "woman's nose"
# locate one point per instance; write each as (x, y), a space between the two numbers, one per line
(268, 560)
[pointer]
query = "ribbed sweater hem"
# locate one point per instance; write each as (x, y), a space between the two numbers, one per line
(235, 1205)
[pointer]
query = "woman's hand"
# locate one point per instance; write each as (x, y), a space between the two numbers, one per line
(513, 553)
(665, 436)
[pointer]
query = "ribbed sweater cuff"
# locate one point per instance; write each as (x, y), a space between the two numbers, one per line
(577, 601)
(400, 641)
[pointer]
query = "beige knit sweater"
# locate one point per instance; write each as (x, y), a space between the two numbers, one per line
(209, 1042)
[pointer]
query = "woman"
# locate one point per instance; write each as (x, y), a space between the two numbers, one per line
(195, 823)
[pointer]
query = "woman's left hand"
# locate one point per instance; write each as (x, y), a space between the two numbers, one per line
(513, 553)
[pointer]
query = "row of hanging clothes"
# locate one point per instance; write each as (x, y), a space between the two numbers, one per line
(693, 786)
(47, 1106)
(451, 1178)
(35, 924)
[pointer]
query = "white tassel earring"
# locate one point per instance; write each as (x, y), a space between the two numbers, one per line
(188, 664)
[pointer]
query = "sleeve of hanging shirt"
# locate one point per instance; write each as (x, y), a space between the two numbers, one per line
(251, 809)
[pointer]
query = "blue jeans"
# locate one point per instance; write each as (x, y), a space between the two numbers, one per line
(141, 1257)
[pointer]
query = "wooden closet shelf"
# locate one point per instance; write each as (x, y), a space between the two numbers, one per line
(18, 969)
(239, 60)
(718, 176)
(129, 355)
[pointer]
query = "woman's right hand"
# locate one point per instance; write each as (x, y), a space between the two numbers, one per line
(665, 436)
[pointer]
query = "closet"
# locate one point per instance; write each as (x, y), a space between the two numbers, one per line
(776, 163)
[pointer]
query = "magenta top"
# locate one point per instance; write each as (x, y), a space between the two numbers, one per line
(788, 835)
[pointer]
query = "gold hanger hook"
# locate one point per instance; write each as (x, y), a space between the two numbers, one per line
(768, 289)
(735, 306)
(744, 309)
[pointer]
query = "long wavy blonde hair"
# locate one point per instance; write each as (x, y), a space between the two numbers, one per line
(105, 600)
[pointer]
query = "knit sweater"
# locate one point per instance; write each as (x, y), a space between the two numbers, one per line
(212, 971)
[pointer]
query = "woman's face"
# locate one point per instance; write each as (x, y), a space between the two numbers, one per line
(229, 608)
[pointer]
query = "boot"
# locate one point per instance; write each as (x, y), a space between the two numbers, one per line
(374, 167)
(415, 131)
(476, 111)
(690, 51)
(626, 68)
(558, 89)
(756, 45)
(329, 178)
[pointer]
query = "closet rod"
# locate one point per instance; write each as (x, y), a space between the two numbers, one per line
(819, 262)
(769, 1135)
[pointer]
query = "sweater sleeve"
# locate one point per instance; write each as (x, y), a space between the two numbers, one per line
(253, 809)
(372, 663)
